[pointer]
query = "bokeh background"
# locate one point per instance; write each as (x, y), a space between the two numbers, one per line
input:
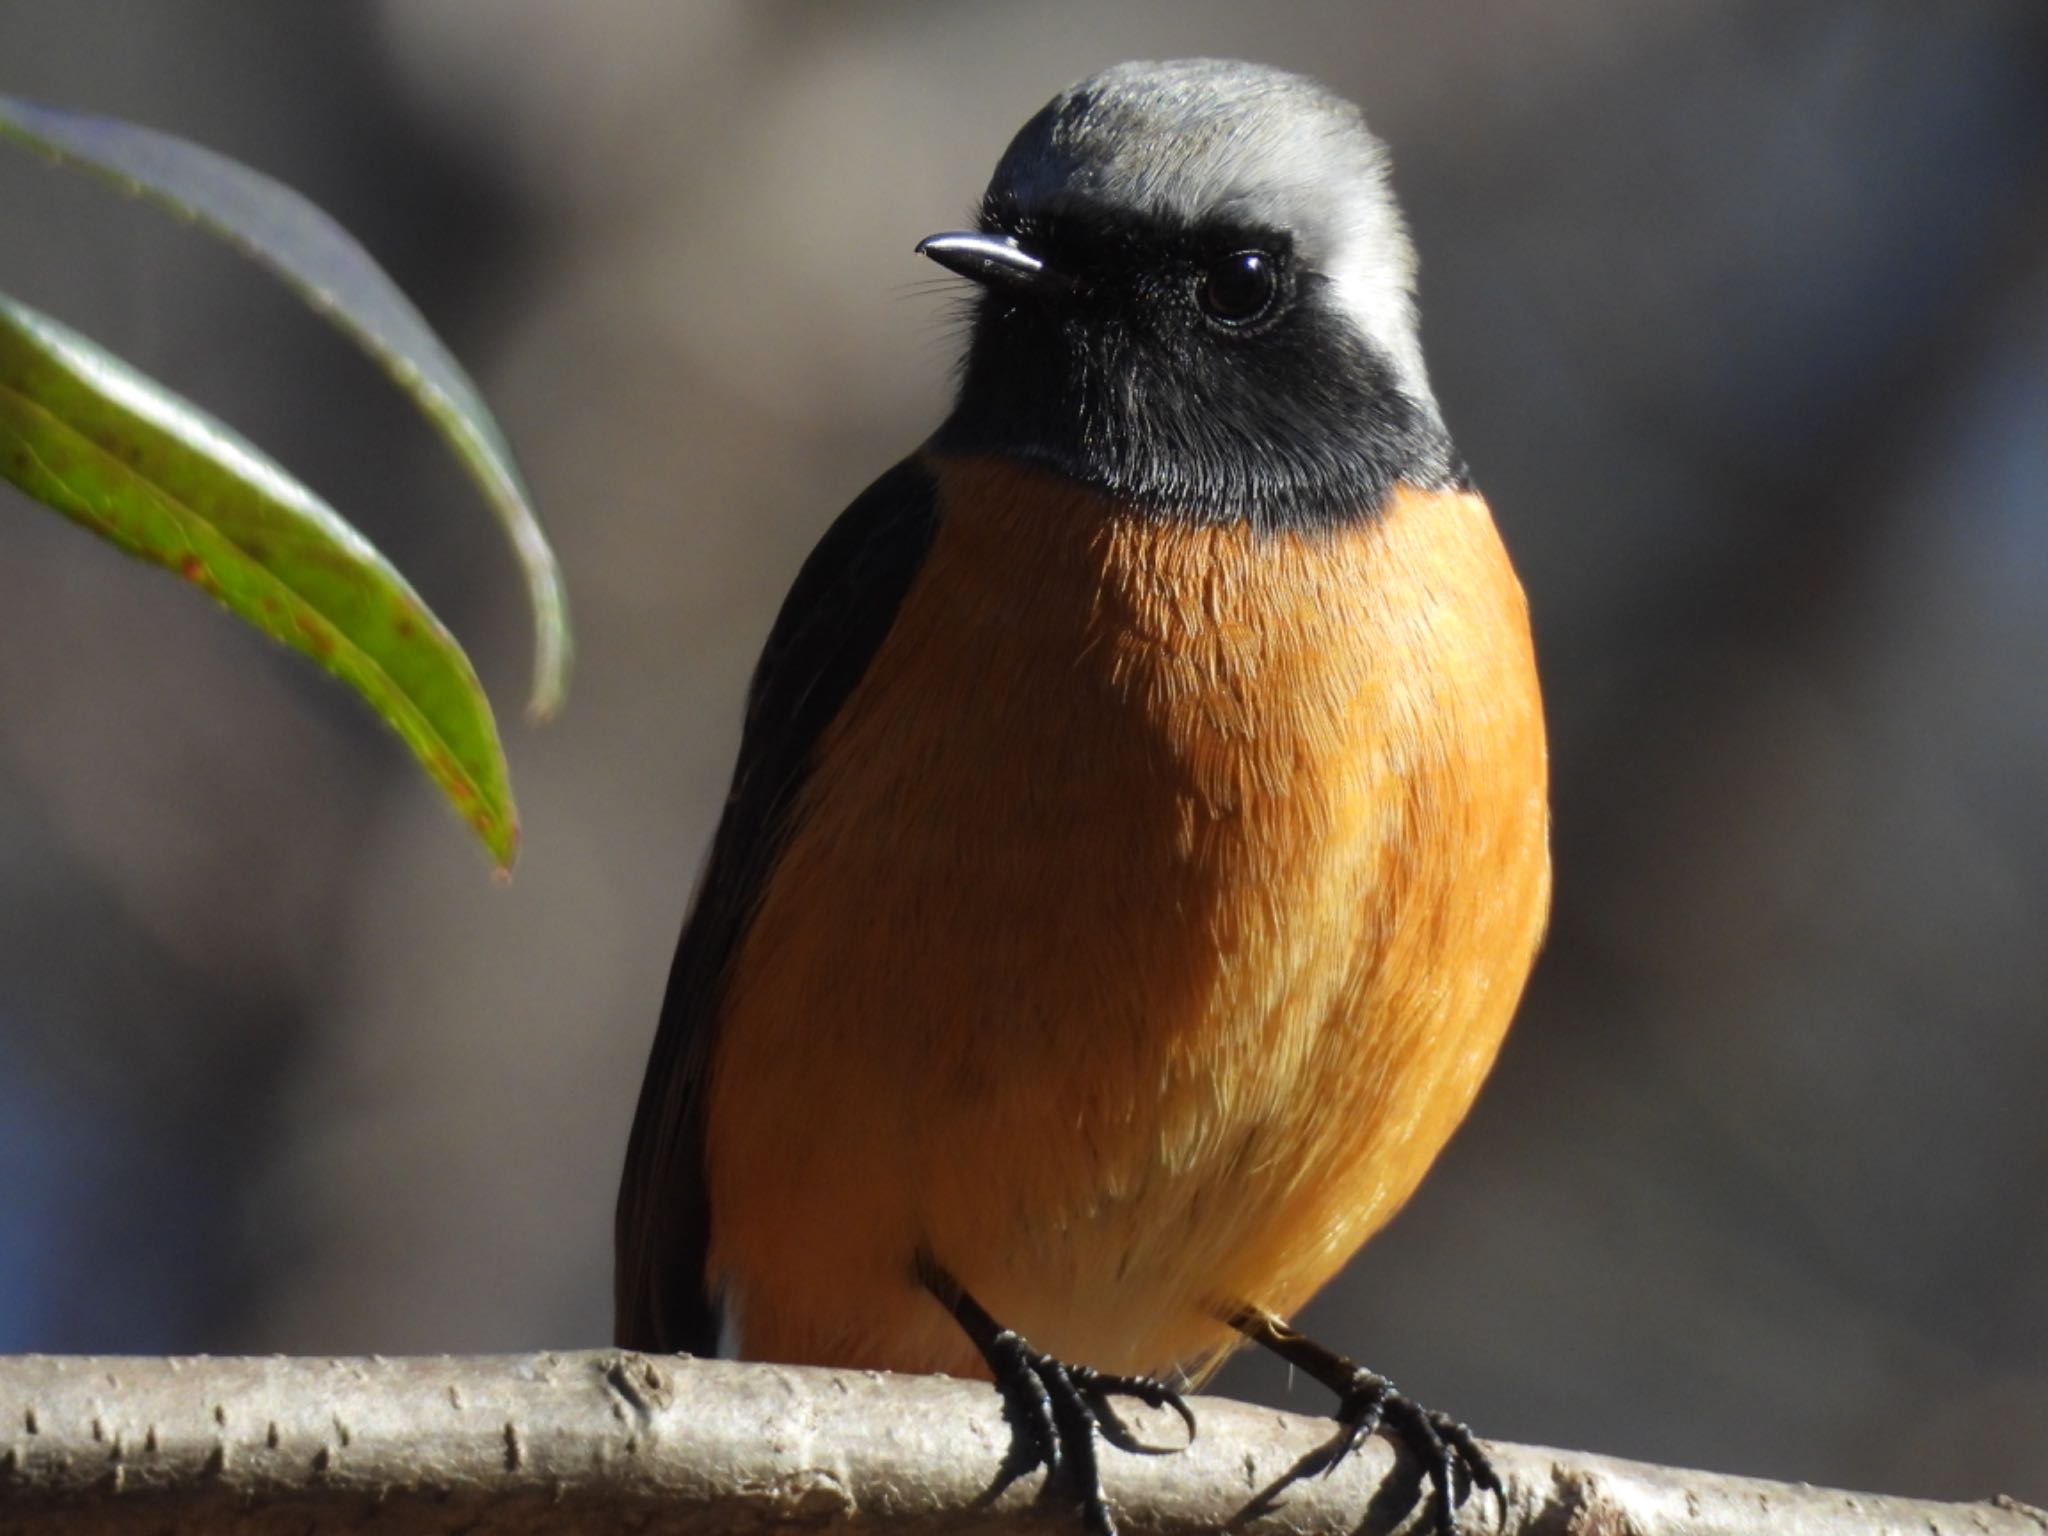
(1740, 312)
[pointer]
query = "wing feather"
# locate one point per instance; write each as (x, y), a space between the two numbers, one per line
(842, 605)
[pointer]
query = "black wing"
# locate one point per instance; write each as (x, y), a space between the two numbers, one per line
(831, 624)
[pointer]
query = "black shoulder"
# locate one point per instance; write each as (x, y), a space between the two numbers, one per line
(842, 604)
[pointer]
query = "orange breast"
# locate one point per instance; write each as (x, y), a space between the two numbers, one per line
(1160, 899)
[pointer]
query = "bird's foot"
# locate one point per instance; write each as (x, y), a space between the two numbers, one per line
(1452, 1460)
(1060, 1414)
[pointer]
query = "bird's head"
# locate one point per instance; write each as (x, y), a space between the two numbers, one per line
(1198, 295)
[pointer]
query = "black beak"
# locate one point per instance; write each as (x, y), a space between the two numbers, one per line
(994, 261)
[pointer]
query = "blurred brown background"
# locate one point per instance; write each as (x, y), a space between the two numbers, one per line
(1740, 312)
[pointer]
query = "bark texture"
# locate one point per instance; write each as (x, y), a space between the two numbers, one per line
(604, 1440)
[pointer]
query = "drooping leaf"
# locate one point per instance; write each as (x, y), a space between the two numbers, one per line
(278, 228)
(146, 470)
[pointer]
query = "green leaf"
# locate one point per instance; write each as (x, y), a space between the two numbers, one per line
(281, 230)
(115, 451)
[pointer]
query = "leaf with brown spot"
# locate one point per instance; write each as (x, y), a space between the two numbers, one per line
(145, 469)
(279, 229)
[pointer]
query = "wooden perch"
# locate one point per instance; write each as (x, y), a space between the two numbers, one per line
(607, 1441)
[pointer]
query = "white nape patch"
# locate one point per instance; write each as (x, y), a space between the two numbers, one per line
(1327, 181)
(1371, 267)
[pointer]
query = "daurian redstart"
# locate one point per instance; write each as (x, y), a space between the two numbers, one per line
(1139, 838)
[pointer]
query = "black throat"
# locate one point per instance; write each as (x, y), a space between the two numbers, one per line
(1124, 388)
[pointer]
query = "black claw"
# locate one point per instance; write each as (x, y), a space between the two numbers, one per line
(1058, 1413)
(1100, 1387)
(1027, 1403)
(1415, 1428)
(1452, 1461)
(1451, 1458)
(1479, 1468)
(1078, 1426)
(1360, 1411)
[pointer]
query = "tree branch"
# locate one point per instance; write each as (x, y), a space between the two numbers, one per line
(614, 1441)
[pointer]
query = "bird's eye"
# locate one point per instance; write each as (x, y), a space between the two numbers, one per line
(1240, 288)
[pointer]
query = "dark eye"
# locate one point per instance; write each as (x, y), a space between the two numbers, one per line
(1240, 288)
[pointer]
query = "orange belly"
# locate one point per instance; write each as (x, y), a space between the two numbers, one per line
(1159, 901)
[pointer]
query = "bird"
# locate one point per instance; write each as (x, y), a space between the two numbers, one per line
(1139, 840)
